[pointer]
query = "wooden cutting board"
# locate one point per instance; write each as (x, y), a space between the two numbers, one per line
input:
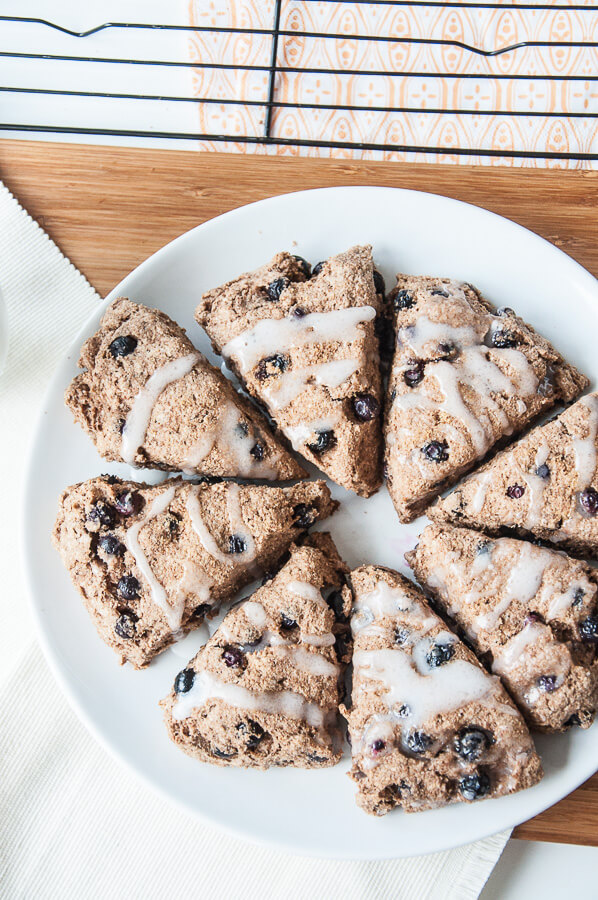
(110, 208)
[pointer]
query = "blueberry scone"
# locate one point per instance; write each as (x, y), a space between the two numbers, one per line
(428, 725)
(545, 485)
(530, 612)
(152, 562)
(264, 690)
(148, 398)
(306, 348)
(464, 376)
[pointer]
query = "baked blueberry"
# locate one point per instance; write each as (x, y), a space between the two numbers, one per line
(438, 292)
(336, 603)
(543, 471)
(377, 746)
(272, 365)
(483, 547)
(318, 268)
(184, 681)
(414, 374)
(365, 407)
(436, 451)
(303, 515)
(200, 611)
(402, 300)
(223, 754)
(505, 311)
(400, 635)
(111, 545)
(532, 618)
(448, 350)
(547, 683)
(404, 711)
(257, 451)
(128, 587)
(588, 500)
(418, 742)
(578, 596)
(102, 513)
(253, 733)
(439, 654)
(325, 440)
(313, 757)
(503, 340)
(474, 787)
(515, 491)
(298, 312)
(236, 544)
(125, 626)
(129, 503)
(471, 742)
(379, 284)
(275, 289)
(305, 266)
(546, 385)
(122, 346)
(233, 657)
(588, 629)
(287, 623)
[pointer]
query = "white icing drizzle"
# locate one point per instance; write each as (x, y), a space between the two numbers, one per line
(140, 413)
(269, 336)
(236, 522)
(255, 613)
(306, 431)
(279, 392)
(233, 444)
(172, 612)
(302, 659)
(307, 591)
(319, 640)
(207, 686)
(482, 483)
(533, 650)
(585, 448)
(523, 583)
(385, 601)
(472, 368)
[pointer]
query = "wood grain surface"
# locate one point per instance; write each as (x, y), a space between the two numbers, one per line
(109, 208)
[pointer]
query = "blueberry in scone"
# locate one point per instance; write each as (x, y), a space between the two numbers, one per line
(463, 377)
(147, 397)
(264, 690)
(527, 610)
(307, 349)
(428, 725)
(151, 568)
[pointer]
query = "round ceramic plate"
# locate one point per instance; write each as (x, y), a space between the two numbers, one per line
(300, 811)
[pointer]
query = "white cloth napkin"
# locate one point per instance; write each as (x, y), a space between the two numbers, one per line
(73, 822)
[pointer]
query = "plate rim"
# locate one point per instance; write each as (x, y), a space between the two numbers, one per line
(586, 279)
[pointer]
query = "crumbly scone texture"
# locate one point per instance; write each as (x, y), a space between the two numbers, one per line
(152, 561)
(529, 612)
(323, 388)
(545, 485)
(264, 691)
(428, 725)
(464, 376)
(198, 423)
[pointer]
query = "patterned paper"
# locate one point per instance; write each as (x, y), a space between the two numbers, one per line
(442, 85)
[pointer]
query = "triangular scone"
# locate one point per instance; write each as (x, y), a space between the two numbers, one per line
(147, 397)
(151, 562)
(464, 376)
(428, 725)
(264, 690)
(545, 485)
(307, 350)
(531, 612)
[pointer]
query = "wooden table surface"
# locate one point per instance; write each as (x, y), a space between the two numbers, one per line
(109, 208)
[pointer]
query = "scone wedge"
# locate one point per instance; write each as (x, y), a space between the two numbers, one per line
(428, 725)
(152, 561)
(530, 612)
(307, 350)
(148, 398)
(545, 485)
(464, 377)
(264, 691)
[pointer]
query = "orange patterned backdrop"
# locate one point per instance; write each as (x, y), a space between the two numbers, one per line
(442, 84)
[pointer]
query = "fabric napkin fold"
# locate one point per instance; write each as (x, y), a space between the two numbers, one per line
(74, 822)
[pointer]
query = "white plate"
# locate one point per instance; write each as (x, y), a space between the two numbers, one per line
(303, 812)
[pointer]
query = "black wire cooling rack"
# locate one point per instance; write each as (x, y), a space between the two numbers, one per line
(275, 65)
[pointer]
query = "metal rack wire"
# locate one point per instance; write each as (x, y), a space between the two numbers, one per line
(275, 66)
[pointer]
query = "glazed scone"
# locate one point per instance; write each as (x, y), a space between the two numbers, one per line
(152, 562)
(545, 485)
(264, 690)
(428, 725)
(308, 351)
(530, 612)
(464, 376)
(148, 398)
